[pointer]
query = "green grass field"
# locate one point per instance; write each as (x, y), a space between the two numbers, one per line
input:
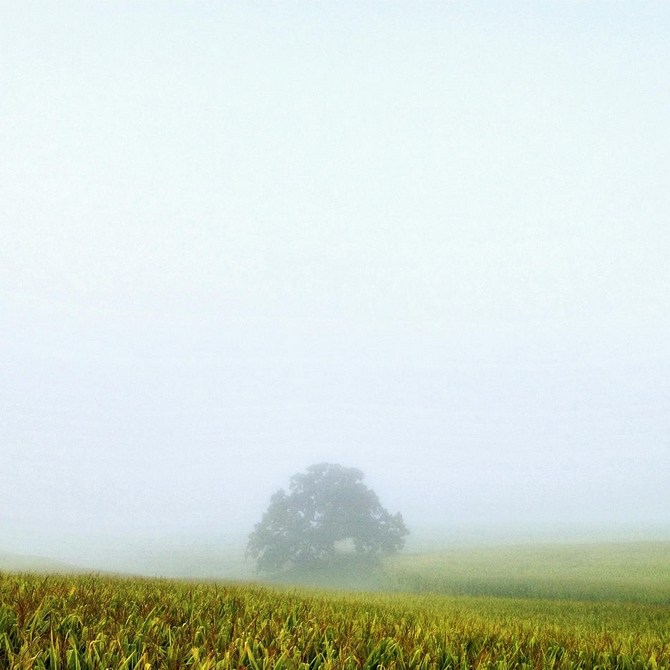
(573, 606)
(624, 572)
(21, 563)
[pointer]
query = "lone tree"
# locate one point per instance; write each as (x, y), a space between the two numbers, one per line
(326, 505)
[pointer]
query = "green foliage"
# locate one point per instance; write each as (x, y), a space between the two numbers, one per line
(94, 623)
(324, 506)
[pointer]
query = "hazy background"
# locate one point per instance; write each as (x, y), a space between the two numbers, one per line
(427, 240)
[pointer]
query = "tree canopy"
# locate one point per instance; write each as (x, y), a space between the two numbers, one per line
(324, 506)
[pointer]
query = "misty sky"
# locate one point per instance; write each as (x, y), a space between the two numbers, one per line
(427, 240)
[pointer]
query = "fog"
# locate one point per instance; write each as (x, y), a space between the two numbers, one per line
(427, 241)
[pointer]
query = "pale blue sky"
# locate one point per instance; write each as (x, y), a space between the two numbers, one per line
(426, 240)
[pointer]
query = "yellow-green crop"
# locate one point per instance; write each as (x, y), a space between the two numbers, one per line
(100, 622)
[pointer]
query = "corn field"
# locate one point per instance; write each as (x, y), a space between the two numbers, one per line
(81, 622)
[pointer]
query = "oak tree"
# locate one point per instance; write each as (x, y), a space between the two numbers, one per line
(324, 506)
